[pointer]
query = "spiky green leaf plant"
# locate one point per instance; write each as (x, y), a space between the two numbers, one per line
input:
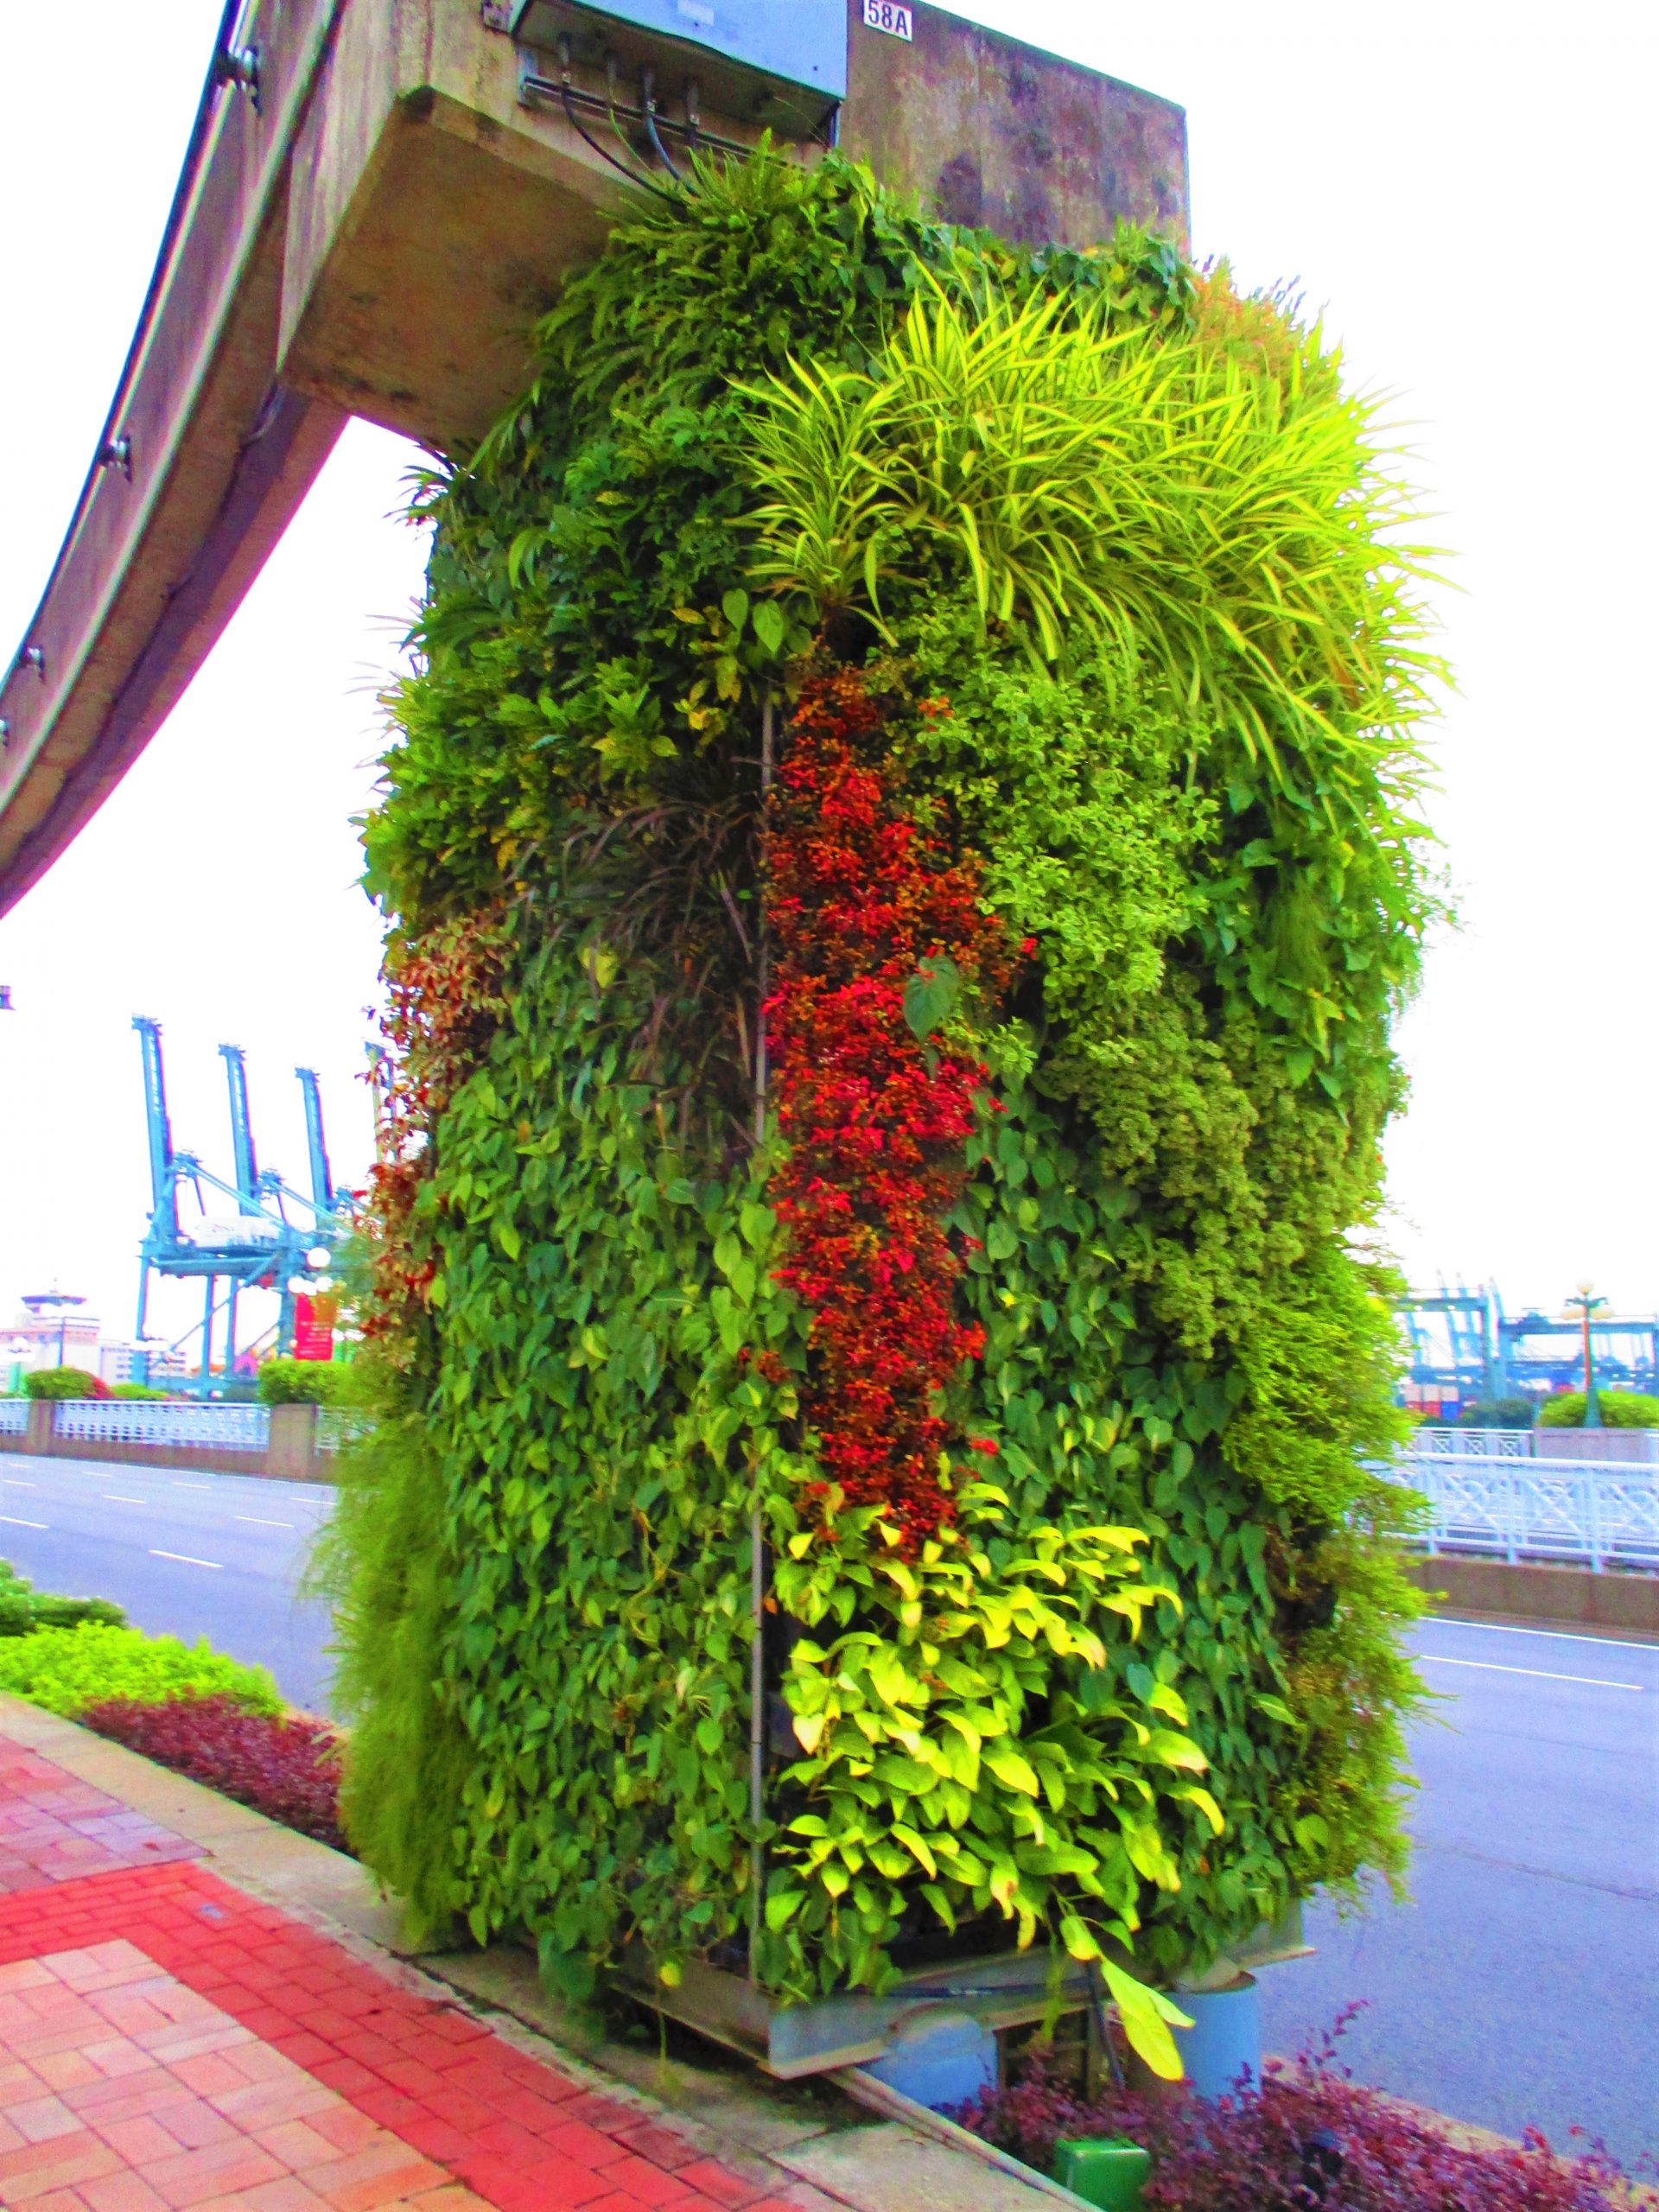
(1142, 493)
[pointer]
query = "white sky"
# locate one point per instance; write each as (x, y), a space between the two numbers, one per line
(1464, 188)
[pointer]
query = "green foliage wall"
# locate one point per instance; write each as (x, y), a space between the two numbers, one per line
(1147, 1685)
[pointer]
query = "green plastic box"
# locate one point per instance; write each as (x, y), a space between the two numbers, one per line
(1107, 2170)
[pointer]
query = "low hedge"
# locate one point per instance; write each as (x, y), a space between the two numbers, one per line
(64, 1383)
(67, 1668)
(1498, 1413)
(303, 1382)
(1619, 1410)
(23, 1608)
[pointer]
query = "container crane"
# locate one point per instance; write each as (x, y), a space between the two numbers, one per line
(1463, 1346)
(258, 1248)
(322, 1181)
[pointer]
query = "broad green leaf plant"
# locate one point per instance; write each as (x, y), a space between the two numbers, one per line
(919, 1757)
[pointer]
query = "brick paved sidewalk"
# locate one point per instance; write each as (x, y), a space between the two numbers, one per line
(168, 2041)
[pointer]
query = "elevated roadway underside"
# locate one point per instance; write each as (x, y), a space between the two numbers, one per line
(372, 212)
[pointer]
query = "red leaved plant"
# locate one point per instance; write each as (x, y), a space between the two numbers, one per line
(865, 903)
(287, 1769)
(1308, 2139)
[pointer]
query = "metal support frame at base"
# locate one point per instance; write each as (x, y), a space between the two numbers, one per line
(859, 2028)
(864, 2089)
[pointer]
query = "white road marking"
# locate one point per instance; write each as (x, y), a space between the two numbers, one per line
(121, 1499)
(1550, 1635)
(1538, 1674)
(254, 1522)
(192, 1486)
(12, 1521)
(16, 1482)
(185, 1559)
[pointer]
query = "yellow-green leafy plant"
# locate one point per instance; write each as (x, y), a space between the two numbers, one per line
(1233, 533)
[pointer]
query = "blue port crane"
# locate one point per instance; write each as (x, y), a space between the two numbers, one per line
(260, 1247)
(323, 1182)
(1452, 1337)
(1463, 1346)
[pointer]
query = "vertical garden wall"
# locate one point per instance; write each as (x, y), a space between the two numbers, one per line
(899, 861)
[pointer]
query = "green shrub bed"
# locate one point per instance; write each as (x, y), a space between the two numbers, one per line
(66, 1670)
(900, 855)
(23, 1608)
(1619, 1410)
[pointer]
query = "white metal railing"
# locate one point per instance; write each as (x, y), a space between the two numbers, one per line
(1472, 1443)
(14, 1416)
(340, 1425)
(166, 1422)
(1596, 1514)
(1622, 1447)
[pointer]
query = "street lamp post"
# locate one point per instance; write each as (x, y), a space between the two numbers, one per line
(1587, 1305)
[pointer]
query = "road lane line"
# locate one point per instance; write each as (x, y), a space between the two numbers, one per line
(1538, 1673)
(185, 1559)
(254, 1522)
(121, 1499)
(12, 1521)
(1550, 1635)
(16, 1482)
(192, 1486)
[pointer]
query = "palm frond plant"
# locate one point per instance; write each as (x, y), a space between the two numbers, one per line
(1153, 495)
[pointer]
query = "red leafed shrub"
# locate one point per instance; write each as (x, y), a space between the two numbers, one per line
(866, 904)
(443, 1000)
(287, 1769)
(1310, 2139)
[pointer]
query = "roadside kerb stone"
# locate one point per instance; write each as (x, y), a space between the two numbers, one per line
(807, 2145)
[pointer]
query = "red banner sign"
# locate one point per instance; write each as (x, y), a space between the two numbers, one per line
(314, 1327)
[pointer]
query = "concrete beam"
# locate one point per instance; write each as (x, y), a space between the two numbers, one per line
(374, 234)
(160, 549)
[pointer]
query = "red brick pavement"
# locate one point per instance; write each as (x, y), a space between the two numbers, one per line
(370, 2094)
(53, 1828)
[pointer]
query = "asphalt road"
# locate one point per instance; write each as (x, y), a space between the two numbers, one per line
(187, 1555)
(1520, 1985)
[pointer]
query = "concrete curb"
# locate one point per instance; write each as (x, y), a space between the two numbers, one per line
(805, 2143)
(1539, 1596)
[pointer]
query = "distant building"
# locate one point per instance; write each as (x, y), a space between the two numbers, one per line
(52, 1331)
(58, 1332)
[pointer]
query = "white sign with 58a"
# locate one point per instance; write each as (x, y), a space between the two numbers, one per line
(884, 16)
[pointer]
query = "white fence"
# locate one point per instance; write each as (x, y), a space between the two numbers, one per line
(1583, 1513)
(14, 1416)
(172, 1422)
(1470, 1444)
(340, 1425)
(1620, 1446)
